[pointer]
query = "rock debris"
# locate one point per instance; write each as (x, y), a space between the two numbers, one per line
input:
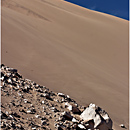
(25, 105)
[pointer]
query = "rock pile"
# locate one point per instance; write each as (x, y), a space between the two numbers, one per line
(26, 105)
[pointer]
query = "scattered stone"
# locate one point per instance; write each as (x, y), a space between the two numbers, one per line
(27, 105)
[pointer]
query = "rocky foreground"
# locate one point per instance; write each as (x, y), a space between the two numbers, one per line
(26, 105)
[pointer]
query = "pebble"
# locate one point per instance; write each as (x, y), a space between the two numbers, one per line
(81, 126)
(122, 126)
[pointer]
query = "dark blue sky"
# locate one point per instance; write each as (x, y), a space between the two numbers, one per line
(119, 8)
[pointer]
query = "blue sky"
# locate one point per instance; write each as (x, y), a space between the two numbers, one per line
(119, 8)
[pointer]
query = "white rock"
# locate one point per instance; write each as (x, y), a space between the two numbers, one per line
(73, 108)
(11, 116)
(122, 126)
(93, 112)
(25, 100)
(69, 107)
(66, 104)
(37, 116)
(9, 81)
(43, 102)
(19, 94)
(2, 78)
(74, 120)
(67, 96)
(81, 126)
(61, 94)
(28, 111)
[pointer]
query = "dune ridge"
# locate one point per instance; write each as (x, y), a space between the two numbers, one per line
(77, 51)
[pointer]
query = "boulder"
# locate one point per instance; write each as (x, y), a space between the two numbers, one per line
(101, 119)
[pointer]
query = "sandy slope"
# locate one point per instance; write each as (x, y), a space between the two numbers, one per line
(69, 49)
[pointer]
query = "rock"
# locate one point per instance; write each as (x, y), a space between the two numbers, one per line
(13, 125)
(18, 75)
(29, 111)
(122, 126)
(67, 115)
(12, 70)
(47, 96)
(74, 120)
(2, 65)
(53, 109)
(74, 109)
(44, 118)
(3, 115)
(81, 126)
(9, 81)
(61, 94)
(61, 118)
(37, 116)
(75, 126)
(22, 110)
(44, 122)
(2, 78)
(25, 100)
(65, 105)
(101, 119)
(43, 102)
(59, 127)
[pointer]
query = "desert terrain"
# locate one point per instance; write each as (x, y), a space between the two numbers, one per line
(69, 49)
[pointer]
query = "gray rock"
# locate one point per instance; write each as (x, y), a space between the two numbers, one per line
(101, 119)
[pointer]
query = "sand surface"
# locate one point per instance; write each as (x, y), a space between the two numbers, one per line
(69, 49)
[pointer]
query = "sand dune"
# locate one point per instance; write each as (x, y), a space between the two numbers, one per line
(69, 49)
